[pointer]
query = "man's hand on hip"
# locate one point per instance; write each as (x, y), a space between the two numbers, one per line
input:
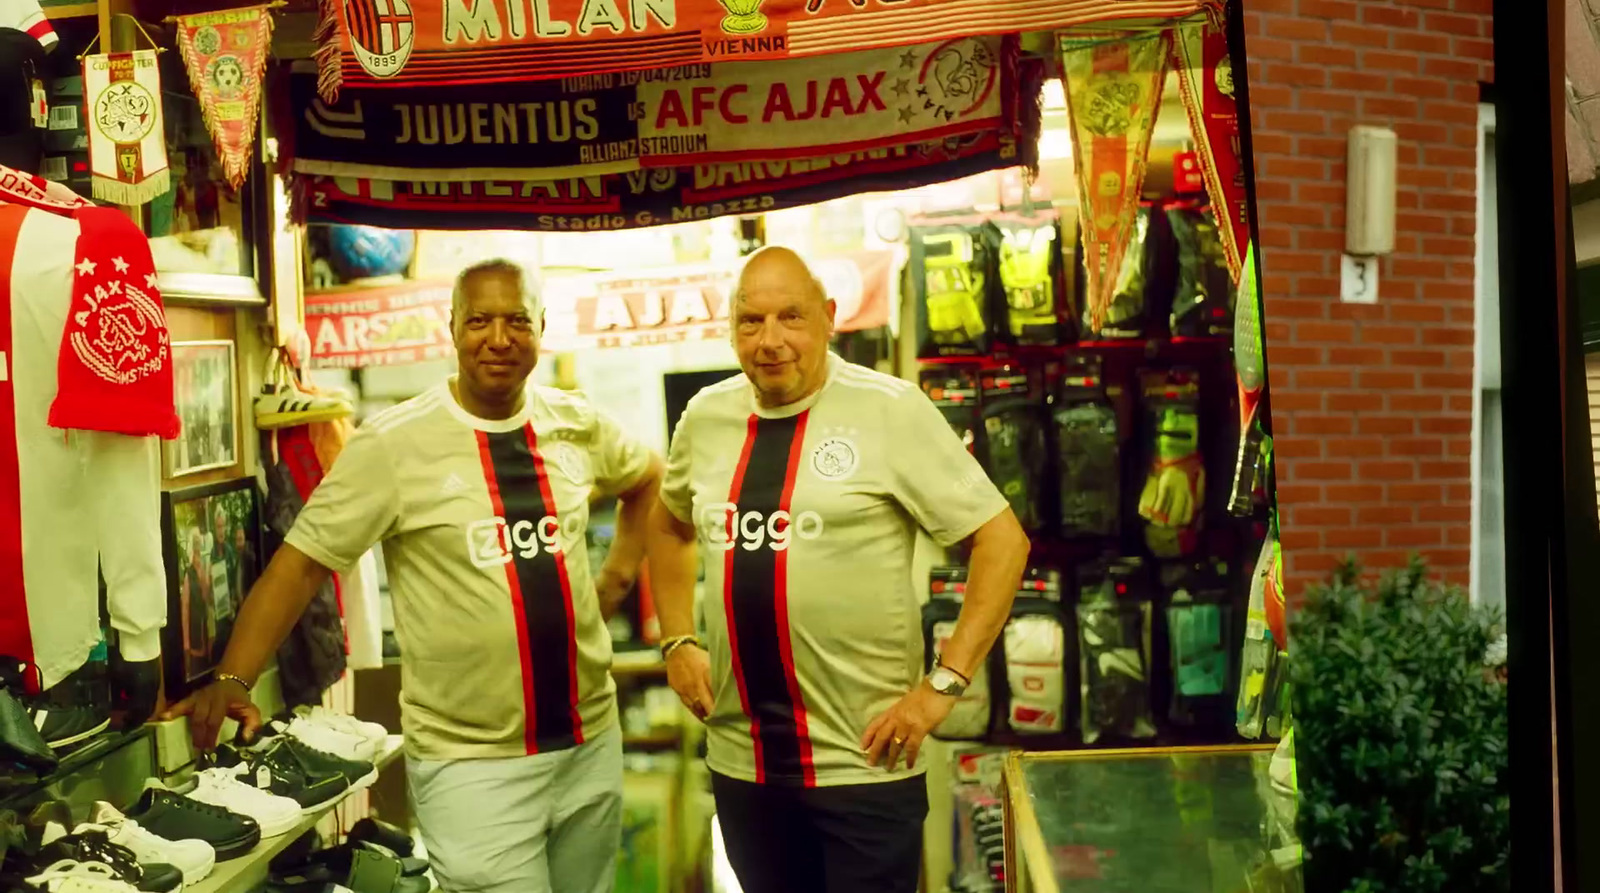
(689, 674)
(209, 706)
(898, 731)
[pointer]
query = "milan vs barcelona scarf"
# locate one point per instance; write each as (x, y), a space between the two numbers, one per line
(1114, 94)
(115, 368)
(594, 125)
(645, 198)
(412, 43)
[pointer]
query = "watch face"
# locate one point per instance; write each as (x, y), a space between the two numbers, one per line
(945, 682)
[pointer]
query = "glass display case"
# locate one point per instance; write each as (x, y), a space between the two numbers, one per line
(1174, 820)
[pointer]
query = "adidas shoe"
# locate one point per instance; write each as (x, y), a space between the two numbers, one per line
(344, 722)
(166, 813)
(194, 858)
(276, 769)
(68, 876)
(223, 787)
(283, 405)
(342, 744)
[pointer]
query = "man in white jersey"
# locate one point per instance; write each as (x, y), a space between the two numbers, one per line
(479, 490)
(804, 484)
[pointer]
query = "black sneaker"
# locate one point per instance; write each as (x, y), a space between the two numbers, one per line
(316, 762)
(96, 847)
(65, 726)
(277, 769)
(176, 817)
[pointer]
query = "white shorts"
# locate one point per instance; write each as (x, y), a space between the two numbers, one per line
(548, 823)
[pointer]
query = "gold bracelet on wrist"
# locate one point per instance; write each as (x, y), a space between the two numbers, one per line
(229, 677)
(672, 644)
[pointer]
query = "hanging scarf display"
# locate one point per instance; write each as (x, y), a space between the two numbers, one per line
(115, 368)
(663, 118)
(1113, 93)
(411, 43)
(645, 198)
(127, 142)
(225, 54)
(1205, 78)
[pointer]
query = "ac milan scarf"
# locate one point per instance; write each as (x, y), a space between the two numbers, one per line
(115, 367)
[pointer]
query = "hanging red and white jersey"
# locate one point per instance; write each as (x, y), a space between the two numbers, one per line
(71, 501)
(25, 15)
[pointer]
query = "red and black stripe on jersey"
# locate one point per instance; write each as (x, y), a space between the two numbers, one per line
(541, 591)
(755, 594)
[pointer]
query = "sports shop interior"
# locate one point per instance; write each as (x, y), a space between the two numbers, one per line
(1066, 270)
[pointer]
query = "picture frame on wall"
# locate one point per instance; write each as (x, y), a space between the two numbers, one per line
(211, 547)
(205, 390)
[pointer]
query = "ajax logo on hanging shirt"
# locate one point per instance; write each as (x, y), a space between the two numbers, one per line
(493, 542)
(726, 527)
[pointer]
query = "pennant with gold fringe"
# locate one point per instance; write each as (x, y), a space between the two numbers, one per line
(226, 54)
(127, 142)
(1205, 78)
(1113, 82)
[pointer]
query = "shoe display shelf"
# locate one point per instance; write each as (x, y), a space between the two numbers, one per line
(249, 872)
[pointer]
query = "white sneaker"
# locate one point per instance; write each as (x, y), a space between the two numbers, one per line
(344, 722)
(222, 787)
(330, 740)
(285, 406)
(69, 876)
(195, 858)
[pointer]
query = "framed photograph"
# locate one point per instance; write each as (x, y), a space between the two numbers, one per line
(211, 544)
(206, 394)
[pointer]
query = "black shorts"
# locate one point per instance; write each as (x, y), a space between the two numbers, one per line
(864, 838)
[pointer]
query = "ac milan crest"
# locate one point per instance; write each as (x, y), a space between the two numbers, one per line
(381, 34)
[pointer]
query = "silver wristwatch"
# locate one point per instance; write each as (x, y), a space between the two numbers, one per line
(946, 681)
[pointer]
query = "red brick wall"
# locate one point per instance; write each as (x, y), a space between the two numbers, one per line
(1372, 405)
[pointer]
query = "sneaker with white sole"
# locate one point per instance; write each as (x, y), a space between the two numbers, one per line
(68, 876)
(344, 722)
(285, 406)
(342, 744)
(195, 858)
(224, 788)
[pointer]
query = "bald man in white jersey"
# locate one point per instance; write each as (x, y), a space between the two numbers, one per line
(803, 485)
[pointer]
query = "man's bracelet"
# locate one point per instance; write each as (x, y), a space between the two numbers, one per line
(672, 644)
(229, 677)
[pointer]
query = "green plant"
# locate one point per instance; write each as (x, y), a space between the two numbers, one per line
(1401, 738)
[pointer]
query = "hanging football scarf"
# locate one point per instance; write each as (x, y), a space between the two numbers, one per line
(1113, 95)
(115, 367)
(225, 53)
(697, 114)
(408, 43)
(644, 198)
(127, 143)
(1205, 78)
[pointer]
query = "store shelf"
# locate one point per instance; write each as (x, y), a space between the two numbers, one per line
(654, 741)
(59, 12)
(248, 871)
(638, 662)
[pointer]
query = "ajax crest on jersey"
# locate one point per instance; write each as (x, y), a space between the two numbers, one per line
(835, 458)
(381, 34)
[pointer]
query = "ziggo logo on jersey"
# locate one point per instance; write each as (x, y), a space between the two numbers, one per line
(493, 542)
(725, 527)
